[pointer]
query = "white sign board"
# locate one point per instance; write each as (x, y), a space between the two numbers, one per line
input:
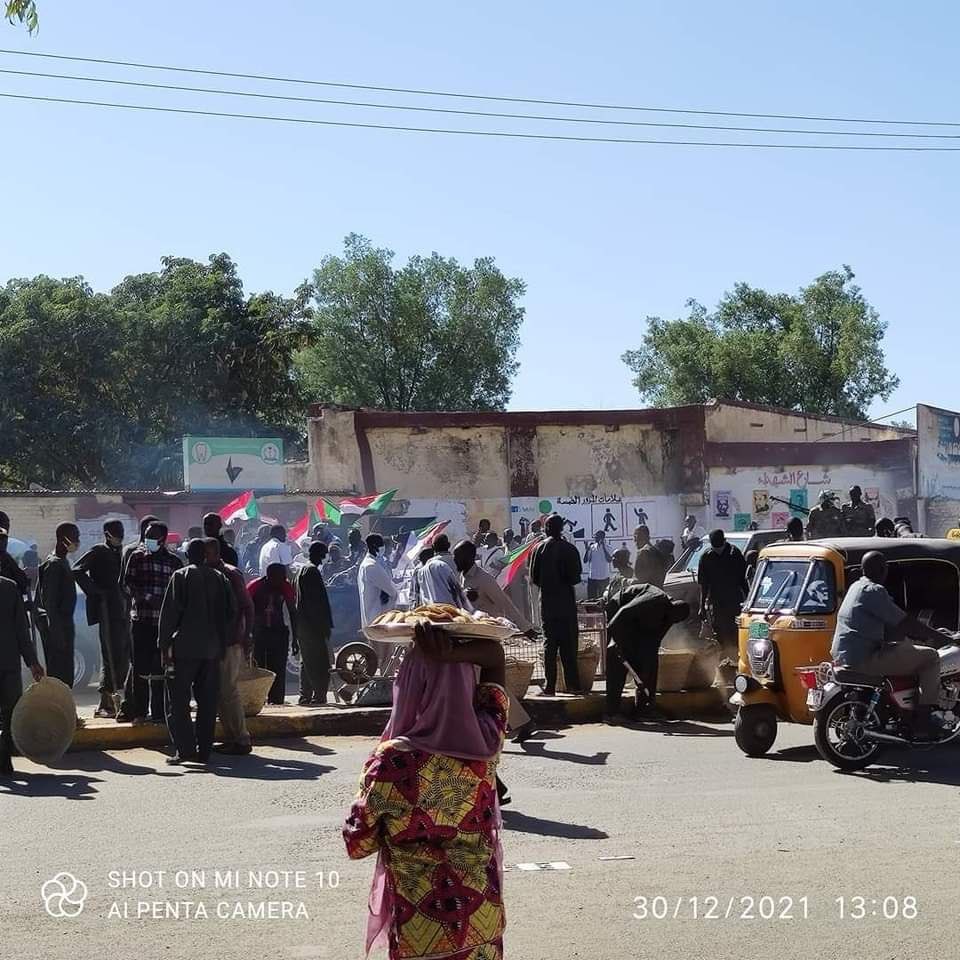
(938, 453)
(233, 463)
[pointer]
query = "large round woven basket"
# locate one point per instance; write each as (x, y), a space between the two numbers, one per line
(674, 671)
(44, 721)
(518, 674)
(587, 660)
(254, 684)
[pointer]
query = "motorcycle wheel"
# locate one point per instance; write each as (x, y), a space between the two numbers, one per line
(755, 729)
(837, 732)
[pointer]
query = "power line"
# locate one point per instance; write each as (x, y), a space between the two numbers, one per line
(475, 133)
(479, 133)
(477, 96)
(478, 113)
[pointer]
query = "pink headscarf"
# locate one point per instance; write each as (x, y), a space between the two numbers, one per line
(433, 711)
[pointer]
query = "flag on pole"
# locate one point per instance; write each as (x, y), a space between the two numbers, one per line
(328, 511)
(418, 540)
(243, 507)
(514, 562)
(359, 506)
(301, 528)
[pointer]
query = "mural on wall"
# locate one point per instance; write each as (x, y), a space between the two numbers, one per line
(770, 496)
(938, 453)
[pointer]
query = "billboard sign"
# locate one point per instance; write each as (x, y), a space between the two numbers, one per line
(938, 453)
(233, 463)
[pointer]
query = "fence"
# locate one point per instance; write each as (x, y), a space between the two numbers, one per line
(592, 626)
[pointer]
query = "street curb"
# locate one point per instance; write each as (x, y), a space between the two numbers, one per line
(369, 721)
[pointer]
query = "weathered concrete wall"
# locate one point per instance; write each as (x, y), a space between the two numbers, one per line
(736, 423)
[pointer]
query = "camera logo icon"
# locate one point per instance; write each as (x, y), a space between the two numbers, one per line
(64, 896)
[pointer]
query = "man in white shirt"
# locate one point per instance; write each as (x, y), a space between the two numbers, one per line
(440, 584)
(275, 550)
(597, 557)
(692, 532)
(375, 582)
(441, 548)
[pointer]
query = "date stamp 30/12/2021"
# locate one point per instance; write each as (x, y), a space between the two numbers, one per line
(769, 907)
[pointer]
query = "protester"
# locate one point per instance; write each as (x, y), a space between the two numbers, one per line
(15, 645)
(322, 534)
(236, 737)
(598, 558)
(9, 567)
(859, 518)
(441, 548)
(885, 528)
(276, 549)
(336, 562)
(825, 519)
(423, 557)
(622, 573)
(250, 563)
(722, 578)
(555, 570)
(639, 616)
(213, 527)
(375, 581)
(130, 547)
(483, 531)
(271, 639)
(314, 624)
(649, 565)
(427, 806)
(31, 565)
(693, 532)
(510, 541)
(195, 617)
(149, 569)
(98, 576)
(666, 547)
(492, 553)
(536, 531)
(56, 600)
(355, 543)
(795, 530)
(439, 583)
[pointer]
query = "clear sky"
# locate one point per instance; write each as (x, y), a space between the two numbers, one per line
(603, 234)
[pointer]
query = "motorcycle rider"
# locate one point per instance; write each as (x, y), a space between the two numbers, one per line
(871, 638)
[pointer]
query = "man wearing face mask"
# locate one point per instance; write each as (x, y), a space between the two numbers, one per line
(55, 602)
(149, 569)
(98, 575)
(722, 576)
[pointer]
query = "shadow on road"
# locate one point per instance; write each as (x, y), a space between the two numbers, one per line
(679, 728)
(253, 767)
(65, 785)
(535, 749)
(934, 766)
(514, 820)
(804, 754)
(297, 743)
(105, 763)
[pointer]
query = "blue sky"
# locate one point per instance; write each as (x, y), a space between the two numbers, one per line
(604, 235)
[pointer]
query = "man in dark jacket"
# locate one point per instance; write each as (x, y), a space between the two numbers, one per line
(98, 575)
(314, 623)
(722, 575)
(15, 645)
(556, 570)
(213, 527)
(195, 617)
(56, 600)
(638, 618)
(9, 567)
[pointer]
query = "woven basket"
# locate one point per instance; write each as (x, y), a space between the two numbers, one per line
(674, 670)
(519, 673)
(254, 684)
(587, 660)
(44, 721)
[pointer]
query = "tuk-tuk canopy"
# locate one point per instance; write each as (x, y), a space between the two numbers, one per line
(893, 548)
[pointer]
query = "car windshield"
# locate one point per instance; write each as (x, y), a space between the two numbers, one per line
(740, 541)
(778, 585)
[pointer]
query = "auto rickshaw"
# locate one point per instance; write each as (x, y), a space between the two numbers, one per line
(788, 620)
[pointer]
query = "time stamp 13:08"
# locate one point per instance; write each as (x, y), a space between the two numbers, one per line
(752, 908)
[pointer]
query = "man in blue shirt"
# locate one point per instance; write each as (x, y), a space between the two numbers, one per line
(871, 638)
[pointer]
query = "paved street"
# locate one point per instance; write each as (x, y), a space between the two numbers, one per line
(698, 819)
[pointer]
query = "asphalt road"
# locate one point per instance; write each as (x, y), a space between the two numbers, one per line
(697, 818)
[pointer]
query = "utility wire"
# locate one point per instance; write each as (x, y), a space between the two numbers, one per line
(479, 133)
(477, 96)
(479, 113)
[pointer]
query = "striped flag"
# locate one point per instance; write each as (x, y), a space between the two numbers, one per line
(359, 506)
(515, 561)
(302, 527)
(243, 507)
(325, 510)
(418, 540)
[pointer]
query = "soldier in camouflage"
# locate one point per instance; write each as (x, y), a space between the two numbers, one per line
(859, 520)
(825, 520)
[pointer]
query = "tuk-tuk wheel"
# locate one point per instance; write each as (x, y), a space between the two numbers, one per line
(755, 729)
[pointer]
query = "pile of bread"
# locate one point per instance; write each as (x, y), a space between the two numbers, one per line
(436, 613)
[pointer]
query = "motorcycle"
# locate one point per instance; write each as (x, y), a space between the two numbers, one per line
(856, 716)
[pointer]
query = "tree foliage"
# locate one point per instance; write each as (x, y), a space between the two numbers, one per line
(818, 351)
(99, 388)
(431, 335)
(23, 11)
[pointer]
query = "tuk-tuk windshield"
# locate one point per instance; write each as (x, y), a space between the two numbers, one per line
(803, 586)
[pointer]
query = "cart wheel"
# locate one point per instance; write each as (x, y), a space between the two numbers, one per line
(755, 729)
(356, 662)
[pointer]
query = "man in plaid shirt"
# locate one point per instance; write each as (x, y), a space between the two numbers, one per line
(147, 574)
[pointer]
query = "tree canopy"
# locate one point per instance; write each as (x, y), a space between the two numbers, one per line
(818, 351)
(23, 11)
(430, 335)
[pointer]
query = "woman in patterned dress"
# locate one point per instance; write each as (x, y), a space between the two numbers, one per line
(427, 806)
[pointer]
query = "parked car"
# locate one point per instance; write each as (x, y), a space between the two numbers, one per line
(681, 581)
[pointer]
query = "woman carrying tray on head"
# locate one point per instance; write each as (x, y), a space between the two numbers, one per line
(427, 805)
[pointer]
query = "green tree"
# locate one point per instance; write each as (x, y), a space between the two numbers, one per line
(23, 11)
(431, 335)
(818, 351)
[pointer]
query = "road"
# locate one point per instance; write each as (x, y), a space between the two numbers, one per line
(697, 818)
